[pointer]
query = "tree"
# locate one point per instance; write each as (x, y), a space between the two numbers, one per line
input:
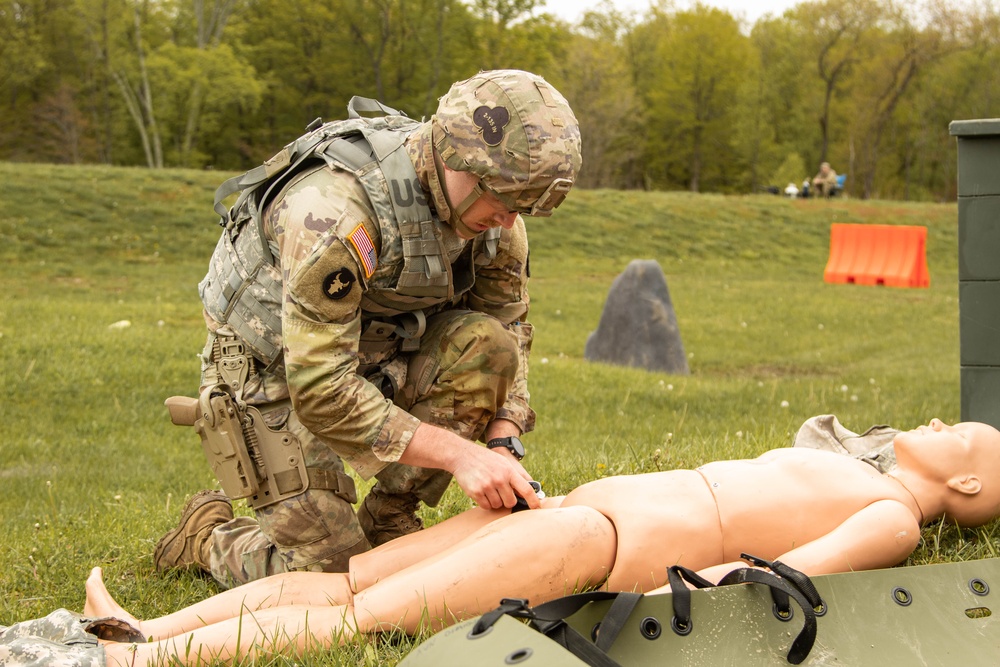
(833, 33)
(209, 26)
(104, 25)
(699, 62)
(772, 121)
(41, 76)
(500, 44)
(598, 83)
(138, 93)
(900, 55)
(961, 84)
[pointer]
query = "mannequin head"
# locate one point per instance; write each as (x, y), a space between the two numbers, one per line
(953, 467)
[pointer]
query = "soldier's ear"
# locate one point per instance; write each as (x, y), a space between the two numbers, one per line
(970, 485)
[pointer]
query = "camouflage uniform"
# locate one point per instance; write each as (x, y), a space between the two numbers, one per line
(355, 394)
(62, 639)
(874, 446)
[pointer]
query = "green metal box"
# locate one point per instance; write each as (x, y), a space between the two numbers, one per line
(979, 322)
(978, 152)
(979, 237)
(979, 267)
(981, 394)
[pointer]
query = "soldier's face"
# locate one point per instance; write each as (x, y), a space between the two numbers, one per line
(485, 213)
(488, 212)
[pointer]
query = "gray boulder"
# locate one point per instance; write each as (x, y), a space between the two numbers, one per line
(638, 326)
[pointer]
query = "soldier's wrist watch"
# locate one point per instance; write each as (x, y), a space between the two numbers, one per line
(512, 443)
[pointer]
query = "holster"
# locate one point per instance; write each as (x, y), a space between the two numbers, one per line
(250, 459)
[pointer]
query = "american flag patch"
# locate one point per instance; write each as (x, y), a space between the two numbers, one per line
(366, 249)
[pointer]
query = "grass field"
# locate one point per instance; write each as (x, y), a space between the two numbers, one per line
(92, 472)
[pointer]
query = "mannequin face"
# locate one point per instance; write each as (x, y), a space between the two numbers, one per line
(941, 451)
(486, 212)
(962, 462)
(947, 439)
(937, 444)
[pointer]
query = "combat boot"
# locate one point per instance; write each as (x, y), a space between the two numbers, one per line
(384, 517)
(190, 543)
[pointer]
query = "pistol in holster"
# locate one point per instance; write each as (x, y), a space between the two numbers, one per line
(249, 459)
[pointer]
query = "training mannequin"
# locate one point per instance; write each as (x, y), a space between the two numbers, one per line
(816, 511)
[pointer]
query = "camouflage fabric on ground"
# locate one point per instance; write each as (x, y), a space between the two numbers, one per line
(874, 446)
(61, 639)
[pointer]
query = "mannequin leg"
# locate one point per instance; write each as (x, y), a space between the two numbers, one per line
(321, 589)
(377, 564)
(539, 555)
(301, 588)
(286, 631)
(536, 555)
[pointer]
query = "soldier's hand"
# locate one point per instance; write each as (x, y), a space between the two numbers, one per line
(494, 478)
(491, 478)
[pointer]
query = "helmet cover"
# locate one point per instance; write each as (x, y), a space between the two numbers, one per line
(516, 133)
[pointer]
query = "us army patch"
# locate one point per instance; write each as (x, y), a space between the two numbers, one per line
(338, 284)
(491, 123)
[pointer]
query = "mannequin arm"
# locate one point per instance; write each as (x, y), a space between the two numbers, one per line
(371, 566)
(881, 535)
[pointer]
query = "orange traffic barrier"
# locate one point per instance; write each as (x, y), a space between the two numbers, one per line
(893, 255)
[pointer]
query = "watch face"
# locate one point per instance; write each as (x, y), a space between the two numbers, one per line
(513, 443)
(516, 446)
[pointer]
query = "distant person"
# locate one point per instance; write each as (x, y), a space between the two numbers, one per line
(825, 182)
(791, 191)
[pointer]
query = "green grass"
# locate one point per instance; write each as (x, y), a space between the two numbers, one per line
(92, 472)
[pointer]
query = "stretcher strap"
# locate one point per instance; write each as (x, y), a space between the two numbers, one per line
(548, 619)
(786, 583)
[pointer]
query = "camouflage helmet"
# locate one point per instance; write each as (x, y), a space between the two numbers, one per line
(516, 133)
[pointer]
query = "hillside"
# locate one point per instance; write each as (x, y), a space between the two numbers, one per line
(93, 472)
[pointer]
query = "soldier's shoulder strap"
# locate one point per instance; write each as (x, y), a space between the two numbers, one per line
(297, 151)
(371, 133)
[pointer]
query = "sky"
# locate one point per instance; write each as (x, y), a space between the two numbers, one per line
(751, 10)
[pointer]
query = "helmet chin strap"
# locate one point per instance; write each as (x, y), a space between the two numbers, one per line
(455, 219)
(470, 199)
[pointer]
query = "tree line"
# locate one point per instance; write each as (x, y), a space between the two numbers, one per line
(670, 98)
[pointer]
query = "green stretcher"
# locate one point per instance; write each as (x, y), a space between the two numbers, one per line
(943, 614)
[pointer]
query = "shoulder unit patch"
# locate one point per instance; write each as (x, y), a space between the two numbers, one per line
(338, 284)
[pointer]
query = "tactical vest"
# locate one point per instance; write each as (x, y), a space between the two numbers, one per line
(243, 286)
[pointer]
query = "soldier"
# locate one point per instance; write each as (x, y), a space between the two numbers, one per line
(367, 302)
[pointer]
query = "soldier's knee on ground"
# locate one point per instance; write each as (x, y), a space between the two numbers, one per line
(316, 531)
